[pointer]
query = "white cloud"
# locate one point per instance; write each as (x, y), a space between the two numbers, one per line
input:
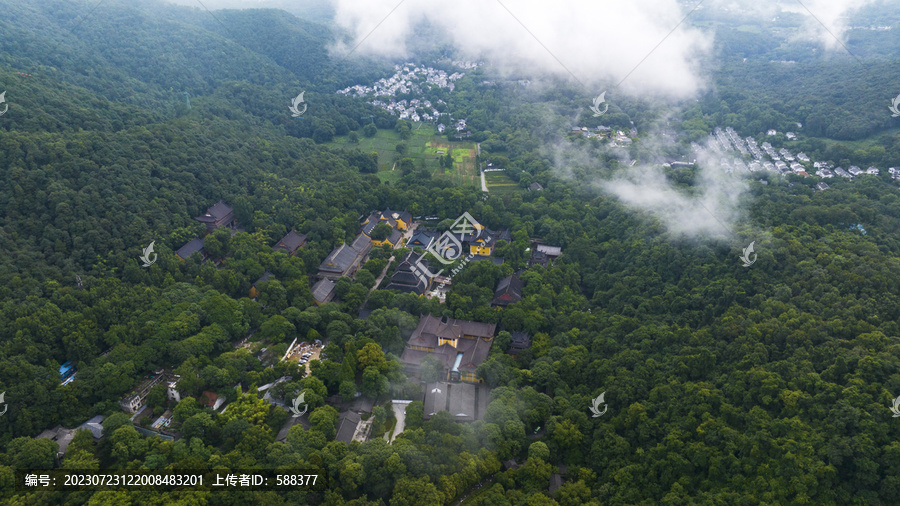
(595, 40)
(832, 14)
(712, 210)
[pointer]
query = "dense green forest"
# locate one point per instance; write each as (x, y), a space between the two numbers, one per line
(725, 385)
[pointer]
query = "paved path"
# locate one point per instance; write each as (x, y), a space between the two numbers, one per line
(400, 415)
(474, 489)
(484, 187)
(381, 276)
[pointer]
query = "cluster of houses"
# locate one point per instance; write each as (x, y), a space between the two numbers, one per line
(408, 78)
(344, 260)
(460, 126)
(765, 157)
(414, 274)
(222, 215)
(64, 436)
(219, 215)
(460, 346)
(617, 137)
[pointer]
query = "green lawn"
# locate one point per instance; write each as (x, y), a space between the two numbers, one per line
(499, 182)
(423, 146)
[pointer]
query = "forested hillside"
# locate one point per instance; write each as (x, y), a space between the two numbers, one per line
(725, 385)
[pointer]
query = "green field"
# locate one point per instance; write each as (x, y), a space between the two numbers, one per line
(423, 147)
(500, 183)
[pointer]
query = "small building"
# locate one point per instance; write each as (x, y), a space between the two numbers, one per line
(66, 373)
(219, 215)
(347, 423)
(520, 341)
(290, 422)
(290, 243)
(394, 240)
(344, 259)
(509, 291)
(64, 436)
(459, 344)
(481, 242)
(821, 186)
(195, 245)
(396, 219)
(134, 401)
(409, 277)
(551, 251)
(254, 289)
(362, 404)
(772, 131)
(399, 221)
(538, 258)
(464, 401)
(212, 400)
(323, 291)
(422, 239)
(172, 392)
(535, 187)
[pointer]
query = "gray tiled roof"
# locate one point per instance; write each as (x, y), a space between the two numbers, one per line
(431, 328)
(362, 244)
(509, 290)
(322, 290)
(193, 246)
(347, 426)
(340, 259)
(465, 402)
(290, 242)
(218, 211)
(422, 238)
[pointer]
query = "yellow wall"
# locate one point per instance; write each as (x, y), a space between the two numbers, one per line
(451, 342)
(480, 250)
(468, 376)
(382, 243)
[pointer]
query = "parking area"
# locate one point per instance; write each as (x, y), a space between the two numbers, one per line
(304, 352)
